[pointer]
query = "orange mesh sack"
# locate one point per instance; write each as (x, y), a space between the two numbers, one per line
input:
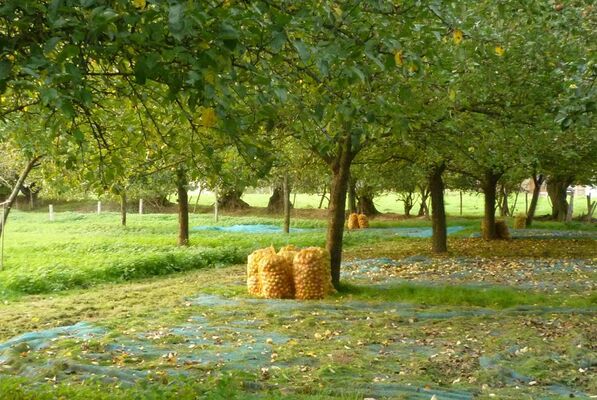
(275, 274)
(520, 222)
(353, 221)
(363, 221)
(502, 230)
(288, 252)
(253, 278)
(312, 279)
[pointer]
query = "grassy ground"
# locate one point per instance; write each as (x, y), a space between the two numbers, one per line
(82, 250)
(472, 203)
(508, 319)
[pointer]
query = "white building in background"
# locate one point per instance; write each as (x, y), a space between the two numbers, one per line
(579, 190)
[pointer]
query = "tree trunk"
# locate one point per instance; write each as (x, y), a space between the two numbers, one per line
(408, 203)
(197, 200)
(591, 205)
(423, 208)
(275, 203)
(352, 195)
(325, 191)
(123, 205)
(489, 190)
(537, 181)
(366, 206)
(183, 208)
(286, 195)
(460, 203)
(230, 199)
(15, 191)
(504, 208)
(439, 239)
(31, 192)
(336, 210)
(216, 202)
(513, 209)
(570, 211)
(556, 189)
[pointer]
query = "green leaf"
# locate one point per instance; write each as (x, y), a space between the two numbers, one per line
(301, 50)
(278, 40)
(5, 68)
(48, 95)
(141, 70)
(323, 67)
(67, 108)
(281, 94)
(175, 20)
(359, 74)
(375, 59)
(51, 44)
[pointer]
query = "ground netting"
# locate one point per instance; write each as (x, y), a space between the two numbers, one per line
(525, 273)
(548, 234)
(249, 228)
(246, 334)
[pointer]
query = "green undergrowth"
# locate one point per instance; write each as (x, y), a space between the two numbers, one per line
(491, 297)
(57, 276)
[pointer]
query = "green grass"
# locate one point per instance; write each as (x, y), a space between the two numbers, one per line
(459, 295)
(334, 352)
(227, 388)
(83, 250)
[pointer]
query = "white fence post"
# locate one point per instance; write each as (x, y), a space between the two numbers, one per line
(99, 207)
(140, 206)
(51, 210)
(216, 209)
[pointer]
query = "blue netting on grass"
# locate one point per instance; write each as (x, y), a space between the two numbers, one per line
(524, 273)
(418, 232)
(37, 340)
(255, 228)
(235, 340)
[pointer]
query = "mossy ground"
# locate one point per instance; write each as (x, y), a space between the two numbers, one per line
(389, 333)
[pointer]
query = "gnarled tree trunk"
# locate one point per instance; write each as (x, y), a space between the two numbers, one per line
(439, 239)
(537, 182)
(423, 208)
(503, 203)
(230, 199)
(489, 183)
(183, 207)
(275, 203)
(556, 189)
(408, 199)
(15, 191)
(367, 206)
